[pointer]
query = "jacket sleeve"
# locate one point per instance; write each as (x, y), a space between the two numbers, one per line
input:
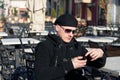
(43, 68)
(99, 62)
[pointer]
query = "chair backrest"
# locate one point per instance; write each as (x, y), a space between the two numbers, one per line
(93, 44)
(19, 29)
(112, 50)
(28, 54)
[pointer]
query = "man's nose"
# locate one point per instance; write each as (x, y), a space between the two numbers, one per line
(71, 34)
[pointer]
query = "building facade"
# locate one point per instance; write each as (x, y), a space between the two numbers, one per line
(92, 12)
(95, 12)
(98, 12)
(82, 9)
(113, 12)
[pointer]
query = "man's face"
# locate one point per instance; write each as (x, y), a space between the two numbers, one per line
(65, 32)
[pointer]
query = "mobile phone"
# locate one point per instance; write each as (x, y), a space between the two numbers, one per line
(84, 57)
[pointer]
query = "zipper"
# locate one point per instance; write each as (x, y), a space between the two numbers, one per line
(56, 61)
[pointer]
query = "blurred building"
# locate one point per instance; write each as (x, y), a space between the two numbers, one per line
(83, 9)
(95, 12)
(19, 5)
(98, 12)
(113, 12)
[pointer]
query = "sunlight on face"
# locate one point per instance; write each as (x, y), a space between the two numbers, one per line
(66, 33)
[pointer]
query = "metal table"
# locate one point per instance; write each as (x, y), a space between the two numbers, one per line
(97, 39)
(18, 42)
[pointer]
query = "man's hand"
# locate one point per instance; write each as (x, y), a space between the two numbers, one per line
(78, 62)
(95, 53)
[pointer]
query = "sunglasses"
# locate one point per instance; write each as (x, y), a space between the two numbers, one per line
(69, 30)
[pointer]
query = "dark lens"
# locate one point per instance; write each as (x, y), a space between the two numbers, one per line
(74, 31)
(68, 30)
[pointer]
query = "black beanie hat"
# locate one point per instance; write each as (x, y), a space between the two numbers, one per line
(66, 20)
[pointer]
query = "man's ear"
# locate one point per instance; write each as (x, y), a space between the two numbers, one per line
(57, 27)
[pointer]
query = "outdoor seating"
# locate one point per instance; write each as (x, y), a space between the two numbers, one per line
(18, 29)
(7, 61)
(100, 39)
(112, 50)
(93, 44)
(23, 54)
(29, 58)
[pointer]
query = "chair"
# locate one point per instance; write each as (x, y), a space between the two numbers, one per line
(26, 70)
(112, 50)
(93, 44)
(18, 29)
(29, 58)
(7, 61)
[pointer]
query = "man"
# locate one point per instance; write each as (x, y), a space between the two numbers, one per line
(60, 56)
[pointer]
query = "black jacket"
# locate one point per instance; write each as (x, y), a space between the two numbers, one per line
(53, 59)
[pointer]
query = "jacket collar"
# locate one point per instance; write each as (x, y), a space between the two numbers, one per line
(57, 41)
